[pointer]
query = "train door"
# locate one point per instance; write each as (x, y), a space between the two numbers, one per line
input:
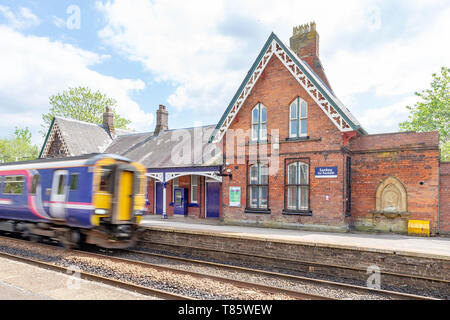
(58, 197)
(125, 195)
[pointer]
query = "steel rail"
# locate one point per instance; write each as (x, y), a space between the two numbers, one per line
(401, 275)
(238, 283)
(93, 277)
(338, 285)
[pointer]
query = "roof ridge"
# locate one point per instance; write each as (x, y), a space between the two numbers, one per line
(78, 121)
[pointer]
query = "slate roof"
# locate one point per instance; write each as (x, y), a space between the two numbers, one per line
(83, 137)
(172, 148)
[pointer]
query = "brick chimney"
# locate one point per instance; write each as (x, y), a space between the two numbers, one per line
(305, 43)
(108, 121)
(162, 120)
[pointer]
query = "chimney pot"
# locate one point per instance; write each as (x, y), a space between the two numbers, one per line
(305, 43)
(108, 121)
(162, 120)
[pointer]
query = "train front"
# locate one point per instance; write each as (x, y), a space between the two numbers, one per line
(119, 200)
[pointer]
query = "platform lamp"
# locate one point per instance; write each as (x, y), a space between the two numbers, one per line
(228, 174)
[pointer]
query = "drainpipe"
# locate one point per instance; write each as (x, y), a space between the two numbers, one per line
(439, 194)
(439, 184)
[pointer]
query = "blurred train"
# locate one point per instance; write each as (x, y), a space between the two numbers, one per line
(97, 199)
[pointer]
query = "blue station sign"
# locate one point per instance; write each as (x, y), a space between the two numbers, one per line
(326, 172)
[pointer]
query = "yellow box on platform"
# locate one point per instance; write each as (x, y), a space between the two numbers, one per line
(419, 227)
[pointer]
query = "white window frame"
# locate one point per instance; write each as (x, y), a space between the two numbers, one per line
(192, 188)
(299, 206)
(259, 137)
(258, 185)
(298, 101)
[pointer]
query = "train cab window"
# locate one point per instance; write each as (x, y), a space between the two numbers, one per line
(14, 185)
(34, 183)
(106, 180)
(74, 181)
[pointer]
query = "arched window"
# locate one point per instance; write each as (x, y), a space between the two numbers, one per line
(258, 186)
(298, 118)
(259, 123)
(297, 187)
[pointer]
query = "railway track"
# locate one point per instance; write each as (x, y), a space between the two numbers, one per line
(242, 284)
(238, 283)
(93, 277)
(341, 285)
(150, 291)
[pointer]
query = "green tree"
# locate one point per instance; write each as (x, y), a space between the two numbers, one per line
(19, 147)
(432, 112)
(81, 103)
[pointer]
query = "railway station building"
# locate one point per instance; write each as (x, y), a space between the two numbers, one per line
(286, 153)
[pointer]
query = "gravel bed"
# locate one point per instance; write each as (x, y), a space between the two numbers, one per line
(168, 281)
(249, 276)
(330, 291)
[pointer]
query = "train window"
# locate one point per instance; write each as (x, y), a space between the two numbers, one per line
(106, 180)
(13, 185)
(34, 183)
(74, 181)
(61, 184)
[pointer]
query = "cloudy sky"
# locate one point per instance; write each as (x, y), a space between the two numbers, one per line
(192, 55)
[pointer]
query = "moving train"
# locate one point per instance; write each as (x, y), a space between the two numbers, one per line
(96, 198)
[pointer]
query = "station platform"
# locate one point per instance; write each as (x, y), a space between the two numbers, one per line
(20, 281)
(400, 245)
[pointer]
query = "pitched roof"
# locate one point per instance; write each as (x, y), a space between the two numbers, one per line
(170, 149)
(81, 137)
(308, 79)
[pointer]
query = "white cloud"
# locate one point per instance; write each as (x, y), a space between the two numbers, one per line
(393, 67)
(23, 19)
(33, 68)
(206, 47)
(386, 119)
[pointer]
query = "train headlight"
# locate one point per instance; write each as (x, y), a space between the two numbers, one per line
(101, 211)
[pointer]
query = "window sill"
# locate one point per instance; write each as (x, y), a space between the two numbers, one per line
(302, 138)
(257, 211)
(196, 205)
(307, 213)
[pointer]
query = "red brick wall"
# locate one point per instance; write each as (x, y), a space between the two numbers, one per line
(276, 89)
(444, 198)
(413, 158)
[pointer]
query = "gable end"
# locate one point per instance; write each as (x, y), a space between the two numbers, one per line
(332, 107)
